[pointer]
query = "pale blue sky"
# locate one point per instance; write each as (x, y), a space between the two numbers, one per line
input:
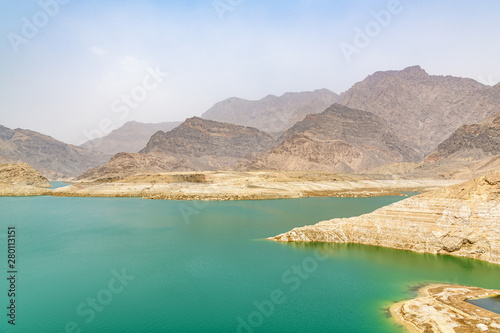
(67, 76)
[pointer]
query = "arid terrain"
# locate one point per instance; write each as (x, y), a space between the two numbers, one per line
(443, 308)
(392, 133)
(230, 185)
(21, 180)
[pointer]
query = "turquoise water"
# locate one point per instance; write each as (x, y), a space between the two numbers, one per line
(173, 266)
(58, 184)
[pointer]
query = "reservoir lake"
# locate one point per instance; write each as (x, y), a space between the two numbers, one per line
(134, 265)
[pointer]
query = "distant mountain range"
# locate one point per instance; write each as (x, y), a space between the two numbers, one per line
(338, 139)
(392, 119)
(130, 138)
(272, 114)
(196, 145)
(53, 158)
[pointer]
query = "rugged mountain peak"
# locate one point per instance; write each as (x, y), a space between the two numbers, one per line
(130, 138)
(470, 142)
(272, 113)
(338, 139)
(422, 109)
(209, 144)
(55, 159)
(211, 127)
(6, 133)
(414, 71)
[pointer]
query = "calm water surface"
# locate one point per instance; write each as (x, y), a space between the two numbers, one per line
(134, 265)
(58, 185)
(489, 303)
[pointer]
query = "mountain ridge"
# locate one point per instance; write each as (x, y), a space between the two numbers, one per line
(338, 139)
(423, 109)
(54, 159)
(271, 113)
(129, 138)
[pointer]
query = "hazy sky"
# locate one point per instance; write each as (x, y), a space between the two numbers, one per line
(74, 67)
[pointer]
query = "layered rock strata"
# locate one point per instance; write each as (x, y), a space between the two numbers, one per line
(461, 220)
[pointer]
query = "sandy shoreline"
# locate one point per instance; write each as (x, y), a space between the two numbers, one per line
(230, 185)
(443, 308)
(248, 186)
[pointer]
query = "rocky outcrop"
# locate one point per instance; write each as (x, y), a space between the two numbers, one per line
(130, 164)
(20, 179)
(272, 113)
(130, 138)
(338, 139)
(471, 151)
(470, 142)
(461, 220)
(424, 110)
(207, 144)
(444, 308)
(22, 174)
(54, 159)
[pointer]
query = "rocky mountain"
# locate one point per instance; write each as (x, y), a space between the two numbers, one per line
(132, 164)
(207, 144)
(338, 139)
(471, 151)
(271, 113)
(53, 158)
(422, 109)
(470, 142)
(20, 179)
(22, 174)
(130, 138)
(460, 220)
